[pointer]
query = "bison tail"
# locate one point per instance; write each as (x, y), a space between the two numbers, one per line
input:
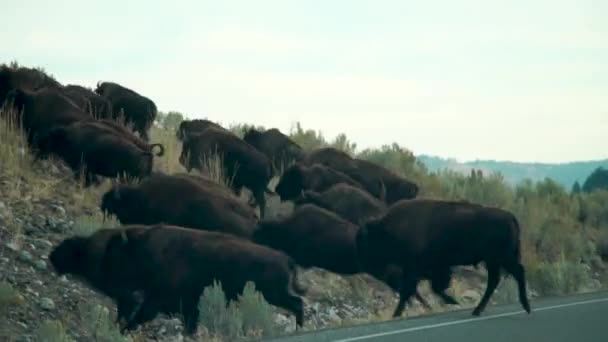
(298, 288)
(161, 149)
(516, 238)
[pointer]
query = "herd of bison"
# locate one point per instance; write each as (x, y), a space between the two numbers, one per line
(180, 232)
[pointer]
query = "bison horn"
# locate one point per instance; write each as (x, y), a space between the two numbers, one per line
(98, 82)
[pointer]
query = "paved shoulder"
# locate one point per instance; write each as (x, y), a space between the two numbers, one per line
(561, 319)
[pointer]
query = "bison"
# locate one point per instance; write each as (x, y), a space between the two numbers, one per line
(23, 78)
(281, 150)
(99, 149)
(89, 101)
(169, 267)
(397, 187)
(428, 237)
(351, 203)
(316, 237)
(189, 127)
(246, 166)
(122, 130)
(341, 161)
(44, 109)
(139, 110)
(298, 178)
(179, 200)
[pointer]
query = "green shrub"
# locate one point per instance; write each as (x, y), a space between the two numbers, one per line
(218, 318)
(99, 325)
(51, 331)
(558, 278)
(256, 312)
(250, 315)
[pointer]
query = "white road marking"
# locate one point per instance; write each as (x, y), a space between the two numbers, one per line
(468, 320)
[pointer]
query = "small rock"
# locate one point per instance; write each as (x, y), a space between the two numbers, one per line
(47, 304)
(21, 324)
(12, 246)
(59, 209)
(471, 295)
(38, 282)
(25, 256)
(45, 243)
(40, 264)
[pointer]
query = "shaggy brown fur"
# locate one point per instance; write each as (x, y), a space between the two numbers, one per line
(351, 203)
(172, 265)
(275, 145)
(179, 200)
(428, 237)
(246, 166)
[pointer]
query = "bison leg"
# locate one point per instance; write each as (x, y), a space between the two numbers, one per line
(260, 199)
(147, 312)
(191, 316)
(407, 290)
(518, 272)
(493, 280)
(440, 282)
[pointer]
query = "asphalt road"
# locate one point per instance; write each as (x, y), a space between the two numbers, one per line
(580, 318)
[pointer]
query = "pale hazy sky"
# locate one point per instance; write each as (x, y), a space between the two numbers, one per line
(510, 80)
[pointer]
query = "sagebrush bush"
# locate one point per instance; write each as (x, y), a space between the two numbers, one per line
(216, 316)
(8, 296)
(558, 278)
(258, 318)
(99, 325)
(249, 315)
(52, 331)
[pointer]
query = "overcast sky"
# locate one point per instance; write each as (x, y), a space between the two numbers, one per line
(509, 80)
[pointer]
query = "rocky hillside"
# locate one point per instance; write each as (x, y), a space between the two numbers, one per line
(40, 204)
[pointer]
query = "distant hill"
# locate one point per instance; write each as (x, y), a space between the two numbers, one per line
(563, 173)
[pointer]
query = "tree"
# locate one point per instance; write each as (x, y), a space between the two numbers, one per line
(597, 180)
(576, 188)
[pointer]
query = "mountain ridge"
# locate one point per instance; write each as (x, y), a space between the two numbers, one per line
(566, 173)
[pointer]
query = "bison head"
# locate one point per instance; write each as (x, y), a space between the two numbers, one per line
(122, 201)
(291, 184)
(69, 256)
(252, 136)
(401, 189)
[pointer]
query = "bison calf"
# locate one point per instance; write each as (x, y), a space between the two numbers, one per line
(428, 237)
(180, 200)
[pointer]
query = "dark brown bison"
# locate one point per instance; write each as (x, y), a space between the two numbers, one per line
(23, 78)
(189, 127)
(341, 161)
(97, 148)
(170, 266)
(243, 164)
(89, 101)
(316, 237)
(281, 150)
(179, 200)
(298, 178)
(122, 130)
(428, 237)
(43, 110)
(397, 187)
(351, 203)
(138, 110)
